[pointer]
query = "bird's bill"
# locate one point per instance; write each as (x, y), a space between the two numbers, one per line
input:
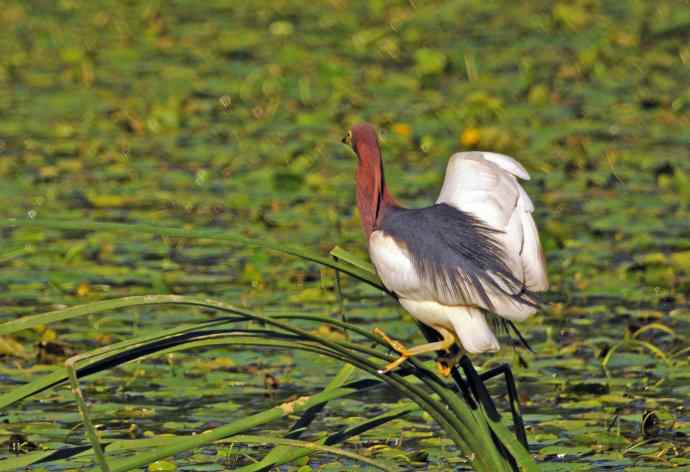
(347, 139)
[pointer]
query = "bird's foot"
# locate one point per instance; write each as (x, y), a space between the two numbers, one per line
(396, 345)
(444, 364)
(443, 368)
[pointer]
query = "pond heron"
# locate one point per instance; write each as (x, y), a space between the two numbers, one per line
(476, 251)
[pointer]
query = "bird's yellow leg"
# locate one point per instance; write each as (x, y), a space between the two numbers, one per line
(405, 353)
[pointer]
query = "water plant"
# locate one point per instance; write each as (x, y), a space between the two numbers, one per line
(479, 434)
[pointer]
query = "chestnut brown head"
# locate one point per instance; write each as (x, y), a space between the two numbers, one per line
(361, 136)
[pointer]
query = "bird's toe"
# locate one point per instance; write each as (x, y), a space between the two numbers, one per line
(392, 365)
(396, 345)
(443, 368)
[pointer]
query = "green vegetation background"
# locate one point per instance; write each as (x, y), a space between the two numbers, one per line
(229, 114)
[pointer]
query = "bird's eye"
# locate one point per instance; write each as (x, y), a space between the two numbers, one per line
(348, 138)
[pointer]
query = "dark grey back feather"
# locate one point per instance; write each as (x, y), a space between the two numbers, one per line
(455, 251)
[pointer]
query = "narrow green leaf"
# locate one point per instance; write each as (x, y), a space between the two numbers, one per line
(283, 454)
(523, 459)
(16, 463)
(291, 443)
(343, 255)
(234, 428)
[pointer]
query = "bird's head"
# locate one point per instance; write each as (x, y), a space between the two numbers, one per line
(361, 136)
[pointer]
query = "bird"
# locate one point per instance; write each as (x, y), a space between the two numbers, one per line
(474, 253)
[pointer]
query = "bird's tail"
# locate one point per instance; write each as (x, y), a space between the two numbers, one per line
(506, 327)
(473, 331)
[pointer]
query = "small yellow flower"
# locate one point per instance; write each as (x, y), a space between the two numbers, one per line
(48, 335)
(83, 289)
(48, 171)
(402, 129)
(469, 137)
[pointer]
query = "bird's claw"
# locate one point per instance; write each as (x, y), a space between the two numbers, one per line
(444, 364)
(443, 368)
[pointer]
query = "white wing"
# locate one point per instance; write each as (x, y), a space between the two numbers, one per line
(485, 185)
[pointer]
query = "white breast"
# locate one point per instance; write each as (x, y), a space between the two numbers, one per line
(394, 266)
